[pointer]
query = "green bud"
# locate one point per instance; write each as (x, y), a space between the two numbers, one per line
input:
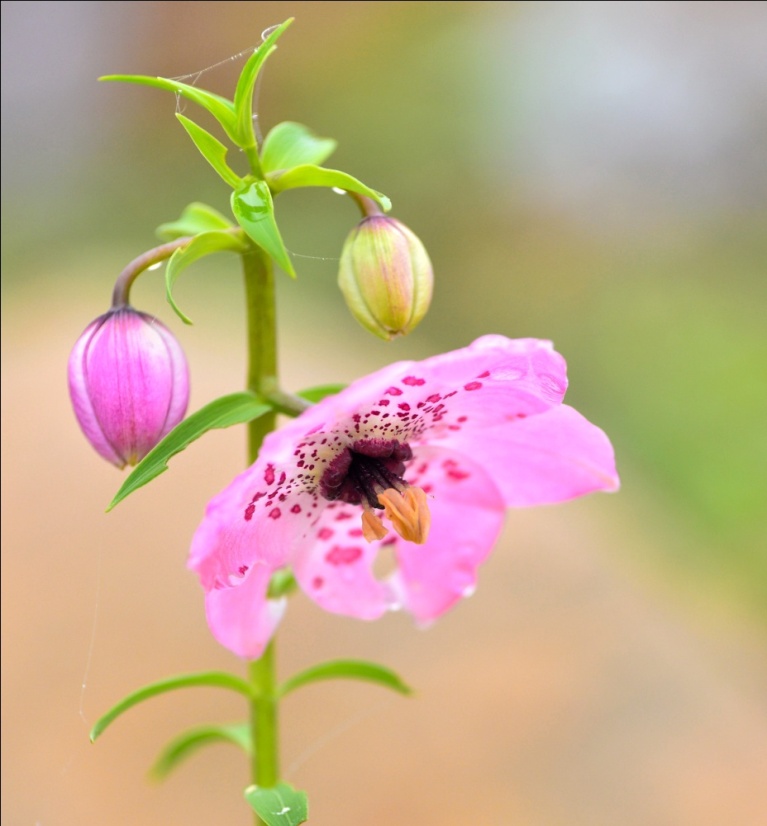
(385, 276)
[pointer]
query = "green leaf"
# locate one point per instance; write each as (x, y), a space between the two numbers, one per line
(211, 679)
(322, 391)
(281, 805)
(186, 744)
(291, 144)
(196, 218)
(211, 149)
(243, 94)
(221, 108)
(346, 669)
(311, 175)
(253, 208)
(201, 245)
(226, 411)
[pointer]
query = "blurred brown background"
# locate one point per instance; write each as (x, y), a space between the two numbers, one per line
(594, 173)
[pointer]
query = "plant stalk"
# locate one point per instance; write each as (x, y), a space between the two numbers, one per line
(262, 340)
(121, 292)
(262, 379)
(265, 768)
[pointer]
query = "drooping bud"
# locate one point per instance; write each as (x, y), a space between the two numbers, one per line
(385, 276)
(129, 384)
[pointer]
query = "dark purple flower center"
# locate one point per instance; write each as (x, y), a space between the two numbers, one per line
(363, 471)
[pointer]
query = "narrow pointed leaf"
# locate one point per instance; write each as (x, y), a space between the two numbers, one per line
(322, 391)
(196, 218)
(243, 94)
(210, 679)
(191, 741)
(281, 805)
(346, 669)
(253, 208)
(211, 149)
(291, 144)
(311, 175)
(226, 411)
(201, 245)
(221, 108)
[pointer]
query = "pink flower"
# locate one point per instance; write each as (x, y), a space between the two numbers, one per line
(453, 440)
(129, 384)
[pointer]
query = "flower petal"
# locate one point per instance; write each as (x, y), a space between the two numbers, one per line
(241, 617)
(467, 514)
(255, 520)
(81, 400)
(237, 547)
(179, 370)
(544, 459)
(490, 382)
(530, 362)
(129, 375)
(531, 366)
(334, 565)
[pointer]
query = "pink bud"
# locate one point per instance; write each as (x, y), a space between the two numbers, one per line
(129, 384)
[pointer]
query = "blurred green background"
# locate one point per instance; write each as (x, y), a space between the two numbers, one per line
(592, 173)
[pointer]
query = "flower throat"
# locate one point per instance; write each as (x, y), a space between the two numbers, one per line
(371, 474)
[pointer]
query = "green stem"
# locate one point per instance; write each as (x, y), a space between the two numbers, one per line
(121, 292)
(251, 153)
(258, 275)
(287, 403)
(263, 722)
(368, 207)
(124, 282)
(262, 340)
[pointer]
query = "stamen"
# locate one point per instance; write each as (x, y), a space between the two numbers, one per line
(372, 527)
(408, 512)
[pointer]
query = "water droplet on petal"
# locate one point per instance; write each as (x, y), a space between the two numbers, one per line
(508, 374)
(462, 582)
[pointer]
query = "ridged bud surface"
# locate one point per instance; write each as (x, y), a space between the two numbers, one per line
(129, 384)
(385, 276)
